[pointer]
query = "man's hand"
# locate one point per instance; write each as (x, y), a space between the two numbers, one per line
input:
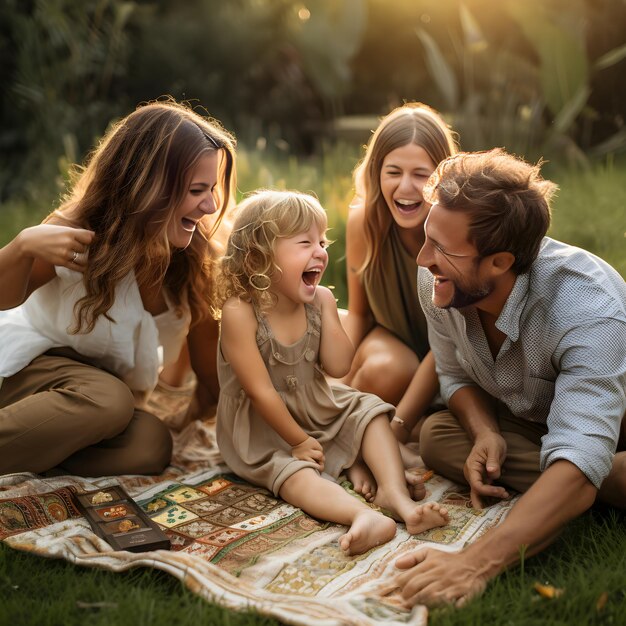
(483, 466)
(433, 577)
(309, 450)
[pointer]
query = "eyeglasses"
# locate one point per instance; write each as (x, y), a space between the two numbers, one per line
(452, 254)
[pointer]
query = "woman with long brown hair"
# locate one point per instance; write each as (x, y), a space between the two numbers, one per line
(385, 232)
(103, 294)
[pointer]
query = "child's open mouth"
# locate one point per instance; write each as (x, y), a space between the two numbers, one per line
(311, 277)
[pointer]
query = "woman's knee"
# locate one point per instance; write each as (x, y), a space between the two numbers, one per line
(149, 449)
(108, 402)
(384, 376)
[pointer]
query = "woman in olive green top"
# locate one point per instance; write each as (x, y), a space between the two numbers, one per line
(385, 231)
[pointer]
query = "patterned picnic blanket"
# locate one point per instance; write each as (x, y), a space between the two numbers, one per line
(234, 543)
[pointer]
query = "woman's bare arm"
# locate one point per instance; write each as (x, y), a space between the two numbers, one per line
(27, 262)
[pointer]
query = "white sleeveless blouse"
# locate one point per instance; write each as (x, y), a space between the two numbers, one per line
(134, 347)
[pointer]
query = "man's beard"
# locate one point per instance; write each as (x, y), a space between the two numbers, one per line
(463, 297)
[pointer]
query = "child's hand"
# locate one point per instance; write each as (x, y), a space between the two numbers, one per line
(309, 450)
(324, 297)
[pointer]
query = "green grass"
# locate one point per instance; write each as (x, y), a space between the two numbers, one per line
(589, 559)
(41, 592)
(590, 211)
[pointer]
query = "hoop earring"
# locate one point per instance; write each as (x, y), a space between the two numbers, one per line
(263, 280)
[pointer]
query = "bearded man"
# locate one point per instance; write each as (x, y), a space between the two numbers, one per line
(529, 339)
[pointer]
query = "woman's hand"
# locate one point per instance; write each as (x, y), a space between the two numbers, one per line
(309, 450)
(57, 245)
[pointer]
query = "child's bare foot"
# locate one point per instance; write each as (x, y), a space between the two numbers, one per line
(426, 516)
(369, 529)
(415, 484)
(411, 459)
(362, 480)
(417, 518)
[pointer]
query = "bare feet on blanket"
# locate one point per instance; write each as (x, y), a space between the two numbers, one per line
(417, 517)
(415, 484)
(369, 529)
(364, 483)
(426, 516)
(362, 480)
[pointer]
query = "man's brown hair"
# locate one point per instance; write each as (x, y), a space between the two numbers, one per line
(507, 199)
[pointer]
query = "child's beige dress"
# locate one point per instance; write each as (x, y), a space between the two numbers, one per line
(335, 415)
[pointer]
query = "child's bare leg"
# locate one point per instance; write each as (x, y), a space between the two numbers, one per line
(410, 457)
(361, 478)
(326, 500)
(381, 452)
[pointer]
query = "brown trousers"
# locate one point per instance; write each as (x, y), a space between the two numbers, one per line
(445, 446)
(63, 412)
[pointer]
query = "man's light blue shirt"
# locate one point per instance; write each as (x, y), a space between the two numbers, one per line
(563, 361)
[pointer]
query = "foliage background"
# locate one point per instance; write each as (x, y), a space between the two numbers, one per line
(541, 77)
(302, 84)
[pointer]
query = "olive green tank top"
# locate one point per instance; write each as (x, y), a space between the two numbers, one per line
(391, 289)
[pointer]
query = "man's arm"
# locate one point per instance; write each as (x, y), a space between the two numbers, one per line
(589, 397)
(561, 494)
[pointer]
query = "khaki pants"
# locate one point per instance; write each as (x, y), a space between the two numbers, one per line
(61, 411)
(445, 446)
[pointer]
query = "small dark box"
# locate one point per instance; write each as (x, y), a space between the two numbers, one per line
(119, 520)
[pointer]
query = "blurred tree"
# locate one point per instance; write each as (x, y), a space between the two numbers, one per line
(527, 83)
(606, 45)
(519, 74)
(59, 83)
(270, 68)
